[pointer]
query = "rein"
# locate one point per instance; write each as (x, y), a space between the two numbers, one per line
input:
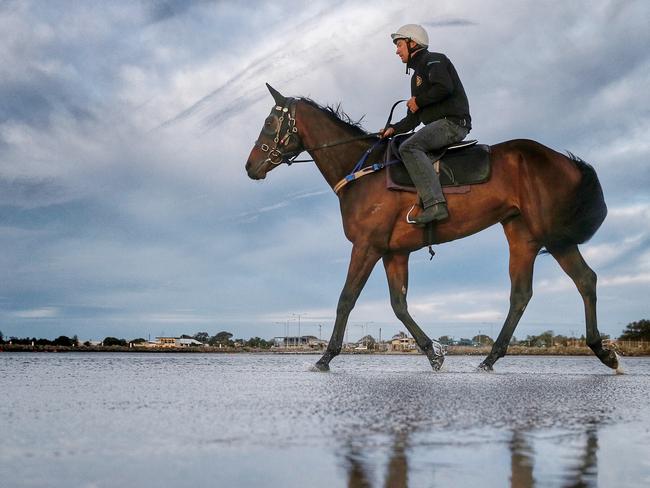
(277, 157)
(330, 144)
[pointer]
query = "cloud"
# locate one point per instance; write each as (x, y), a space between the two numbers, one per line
(246, 86)
(37, 313)
(30, 192)
(639, 278)
(162, 10)
(481, 316)
(449, 23)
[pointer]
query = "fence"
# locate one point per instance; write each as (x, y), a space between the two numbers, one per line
(633, 344)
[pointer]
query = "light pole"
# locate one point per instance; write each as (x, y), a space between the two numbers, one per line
(299, 338)
(365, 328)
(285, 340)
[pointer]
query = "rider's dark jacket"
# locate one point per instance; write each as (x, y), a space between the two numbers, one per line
(438, 92)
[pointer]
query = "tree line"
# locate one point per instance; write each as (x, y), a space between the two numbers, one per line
(225, 338)
(222, 338)
(634, 331)
(27, 341)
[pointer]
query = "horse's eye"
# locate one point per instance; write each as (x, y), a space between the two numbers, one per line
(269, 126)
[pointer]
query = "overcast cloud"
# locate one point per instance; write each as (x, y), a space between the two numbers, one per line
(125, 126)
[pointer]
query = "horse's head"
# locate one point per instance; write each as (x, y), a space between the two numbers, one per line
(278, 141)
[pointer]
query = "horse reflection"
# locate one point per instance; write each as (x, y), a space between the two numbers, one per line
(580, 472)
(396, 475)
(585, 472)
(521, 461)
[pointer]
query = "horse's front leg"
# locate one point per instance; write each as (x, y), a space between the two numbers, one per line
(397, 270)
(362, 262)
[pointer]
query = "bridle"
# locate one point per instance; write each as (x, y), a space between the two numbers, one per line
(275, 155)
(285, 119)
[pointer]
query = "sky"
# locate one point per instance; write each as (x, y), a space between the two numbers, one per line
(125, 209)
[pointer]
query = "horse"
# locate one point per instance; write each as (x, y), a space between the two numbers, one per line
(545, 201)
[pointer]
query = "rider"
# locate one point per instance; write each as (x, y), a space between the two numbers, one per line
(437, 100)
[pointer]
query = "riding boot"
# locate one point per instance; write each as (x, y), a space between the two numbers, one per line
(435, 212)
(427, 183)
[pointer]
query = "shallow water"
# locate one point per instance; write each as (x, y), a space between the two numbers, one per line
(131, 420)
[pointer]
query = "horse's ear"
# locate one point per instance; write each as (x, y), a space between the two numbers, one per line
(279, 99)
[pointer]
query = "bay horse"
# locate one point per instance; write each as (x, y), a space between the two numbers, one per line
(543, 199)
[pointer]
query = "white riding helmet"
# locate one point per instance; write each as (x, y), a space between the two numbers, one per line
(414, 32)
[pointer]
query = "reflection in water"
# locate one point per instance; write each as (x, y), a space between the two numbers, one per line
(521, 461)
(397, 472)
(396, 475)
(357, 475)
(578, 469)
(584, 474)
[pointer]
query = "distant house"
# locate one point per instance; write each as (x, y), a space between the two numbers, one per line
(166, 341)
(382, 346)
(401, 342)
(311, 342)
(147, 344)
(177, 342)
(189, 342)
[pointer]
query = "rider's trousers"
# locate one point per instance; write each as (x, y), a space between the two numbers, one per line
(435, 135)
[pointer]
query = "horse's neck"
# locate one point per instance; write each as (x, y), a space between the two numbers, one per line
(336, 162)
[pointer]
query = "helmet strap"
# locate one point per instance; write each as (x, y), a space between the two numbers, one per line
(408, 58)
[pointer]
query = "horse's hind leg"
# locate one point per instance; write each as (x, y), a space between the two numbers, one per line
(362, 262)
(523, 251)
(584, 278)
(396, 266)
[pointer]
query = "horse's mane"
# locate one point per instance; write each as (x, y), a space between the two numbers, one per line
(337, 114)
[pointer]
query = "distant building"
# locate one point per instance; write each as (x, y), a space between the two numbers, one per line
(401, 342)
(382, 347)
(177, 342)
(148, 344)
(189, 342)
(309, 342)
(166, 341)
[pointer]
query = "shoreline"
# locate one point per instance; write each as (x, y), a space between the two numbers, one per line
(451, 350)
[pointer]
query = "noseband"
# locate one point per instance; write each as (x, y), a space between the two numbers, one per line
(275, 154)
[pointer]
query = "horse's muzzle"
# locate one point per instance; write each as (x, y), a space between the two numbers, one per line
(255, 171)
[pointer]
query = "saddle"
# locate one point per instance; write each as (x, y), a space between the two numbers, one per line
(459, 165)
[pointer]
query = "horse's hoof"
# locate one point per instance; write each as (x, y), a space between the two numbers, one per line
(322, 367)
(609, 358)
(436, 362)
(619, 366)
(485, 367)
(435, 353)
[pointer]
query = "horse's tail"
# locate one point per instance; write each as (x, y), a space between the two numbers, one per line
(585, 215)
